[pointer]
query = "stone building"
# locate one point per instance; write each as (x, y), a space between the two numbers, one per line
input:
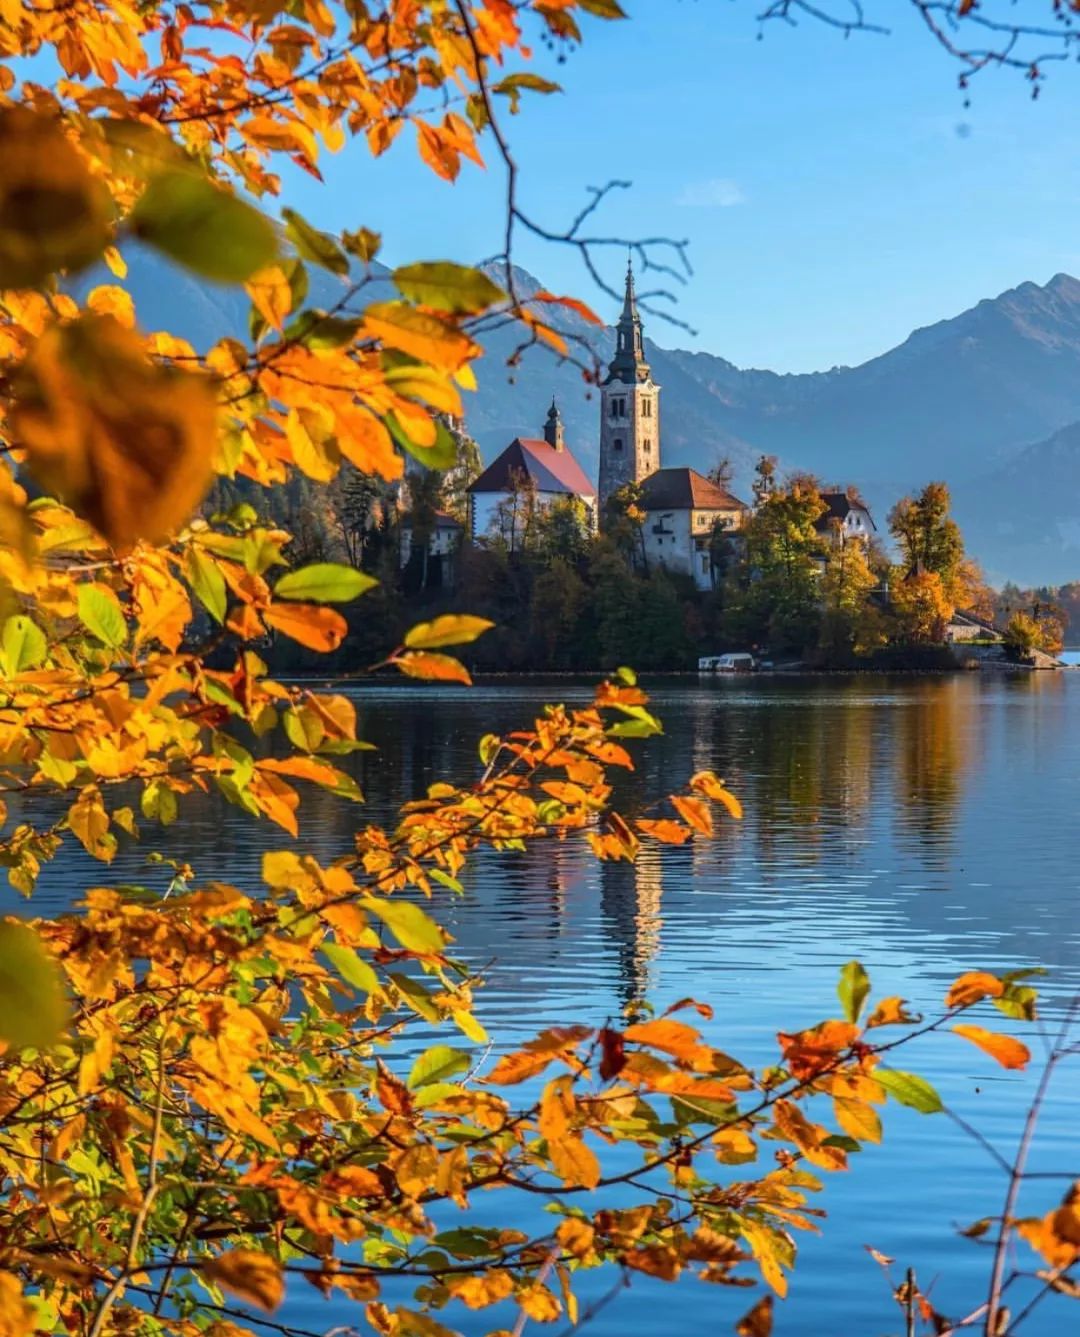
(684, 513)
(629, 407)
(683, 509)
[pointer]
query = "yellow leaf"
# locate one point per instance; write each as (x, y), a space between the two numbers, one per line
(253, 1276)
(857, 1119)
(574, 1162)
(576, 1236)
(270, 295)
(33, 1010)
(479, 1292)
(557, 1106)
(18, 1318)
(90, 824)
(1008, 1052)
(450, 629)
(53, 213)
(421, 334)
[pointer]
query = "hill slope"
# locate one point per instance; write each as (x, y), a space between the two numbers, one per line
(961, 400)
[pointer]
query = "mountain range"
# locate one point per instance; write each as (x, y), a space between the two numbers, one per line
(988, 401)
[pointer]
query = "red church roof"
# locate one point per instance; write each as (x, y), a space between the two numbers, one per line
(549, 469)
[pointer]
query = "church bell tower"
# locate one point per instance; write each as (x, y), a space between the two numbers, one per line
(629, 406)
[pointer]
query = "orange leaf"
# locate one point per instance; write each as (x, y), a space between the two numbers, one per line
(671, 833)
(1008, 1052)
(759, 1321)
(253, 1276)
(973, 986)
(892, 1011)
(673, 1037)
(513, 1068)
(312, 625)
(431, 667)
(694, 812)
(705, 782)
(571, 304)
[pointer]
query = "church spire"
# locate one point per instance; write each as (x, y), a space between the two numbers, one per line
(553, 427)
(628, 364)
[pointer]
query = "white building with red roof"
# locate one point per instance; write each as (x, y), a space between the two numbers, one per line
(530, 471)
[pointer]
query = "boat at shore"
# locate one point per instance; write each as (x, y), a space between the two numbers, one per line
(728, 663)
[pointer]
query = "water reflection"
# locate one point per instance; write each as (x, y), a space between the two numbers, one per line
(630, 897)
(924, 825)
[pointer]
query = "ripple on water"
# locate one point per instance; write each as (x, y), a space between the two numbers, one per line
(922, 825)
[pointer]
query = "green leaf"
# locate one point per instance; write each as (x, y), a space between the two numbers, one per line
(24, 644)
(843, 1141)
(407, 922)
(448, 287)
(318, 247)
(351, 968)
(853, 989)
(635, 729)
(1018, 1001)
(445, 880)
(437, 1065)
(207, 583)
(511, 87)
(603, 9)
(324, 582)
(627, 676)
(489, 747)
(159, 801)
(101, 614)
(363, 243)
(203, 227)
(33, 1009)
(908, 1089)
(320, 331)
(416, 996)
(442, 455)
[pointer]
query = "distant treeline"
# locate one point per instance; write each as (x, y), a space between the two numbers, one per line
(563, 599)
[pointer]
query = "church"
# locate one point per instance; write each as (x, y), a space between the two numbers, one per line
(682, 507)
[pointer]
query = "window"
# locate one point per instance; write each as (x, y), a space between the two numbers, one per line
(648, 446)
(616, 445)
(646, 408)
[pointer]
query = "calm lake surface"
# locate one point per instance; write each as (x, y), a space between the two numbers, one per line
(924, 825)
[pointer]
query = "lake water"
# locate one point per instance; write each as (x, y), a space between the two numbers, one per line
(924, 825)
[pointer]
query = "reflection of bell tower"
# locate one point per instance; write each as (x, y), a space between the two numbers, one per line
(629, 406)
(630, 900)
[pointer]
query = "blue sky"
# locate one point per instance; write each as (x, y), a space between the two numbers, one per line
(836, 193)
